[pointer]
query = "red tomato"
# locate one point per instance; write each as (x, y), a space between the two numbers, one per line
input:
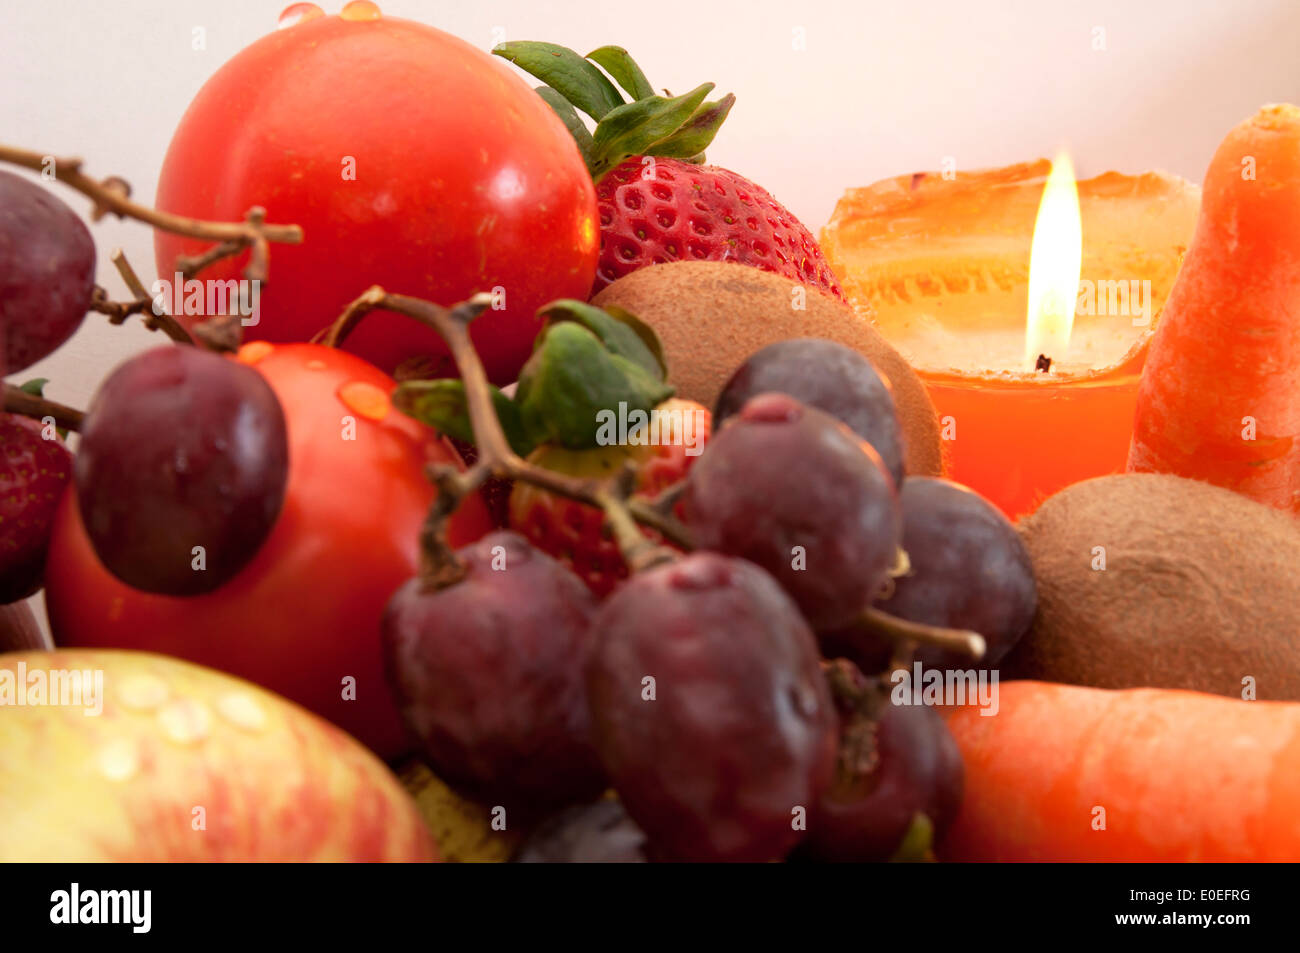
(304, 615)
(411, 160)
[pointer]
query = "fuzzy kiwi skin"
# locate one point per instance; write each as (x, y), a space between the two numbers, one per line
(1201, 589)
(712, 315)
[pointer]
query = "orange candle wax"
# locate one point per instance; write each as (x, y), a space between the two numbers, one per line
(1018, 438)
(941, 264)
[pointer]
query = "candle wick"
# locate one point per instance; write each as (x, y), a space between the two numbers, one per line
(1044, 363)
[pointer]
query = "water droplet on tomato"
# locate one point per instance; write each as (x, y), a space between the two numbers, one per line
(365, 399)
(296, 13)
(358, 10)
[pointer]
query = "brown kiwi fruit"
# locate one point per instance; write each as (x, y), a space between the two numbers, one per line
(1200, 589)
(711, 316)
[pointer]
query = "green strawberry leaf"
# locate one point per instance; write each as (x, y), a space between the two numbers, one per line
(572, 121)
(697, 133)
(634, 129)
(677, 127)
(573, 77)
(620, 332)
(572, 379)
(619, 64)
(442, 405)
(644, 332)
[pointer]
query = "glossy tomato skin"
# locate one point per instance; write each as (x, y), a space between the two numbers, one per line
(411, 160)
(305, 613)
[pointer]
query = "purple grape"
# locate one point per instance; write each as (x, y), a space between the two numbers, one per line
(47, 272)
(710, 710)
(34, 472)
(792, 489)
(898, 763)
(489, 672)
(826, 375)
(181, 449)
(969, 570)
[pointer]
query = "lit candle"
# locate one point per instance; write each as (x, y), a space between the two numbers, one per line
(1032, 360)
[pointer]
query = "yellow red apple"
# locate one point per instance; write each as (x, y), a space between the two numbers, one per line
(129, 756)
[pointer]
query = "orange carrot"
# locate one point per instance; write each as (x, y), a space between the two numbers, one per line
(1220, 395)
(1064, 773)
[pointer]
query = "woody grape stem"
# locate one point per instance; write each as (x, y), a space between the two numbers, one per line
(18, 401)
(907, 634)
(111, 196)
(142, 304)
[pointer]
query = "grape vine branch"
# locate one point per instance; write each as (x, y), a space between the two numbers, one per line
(142, 304)
(112, 196)
(18, 401)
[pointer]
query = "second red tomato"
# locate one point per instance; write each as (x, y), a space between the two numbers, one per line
(302, 618)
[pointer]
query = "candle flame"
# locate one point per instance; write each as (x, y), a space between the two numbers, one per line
(1055, 263)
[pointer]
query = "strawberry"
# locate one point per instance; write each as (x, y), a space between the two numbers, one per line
(706, 213)
(34, 472)
(574, 532)
(658, 201)
(591, 399)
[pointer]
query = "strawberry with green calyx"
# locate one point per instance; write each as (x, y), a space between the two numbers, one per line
(657, 201)
(590, 401)
(575, 533)
(587, 362)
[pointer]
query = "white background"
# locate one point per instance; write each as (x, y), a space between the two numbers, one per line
(879, 89)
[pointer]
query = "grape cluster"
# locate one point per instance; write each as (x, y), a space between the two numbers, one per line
(701, 685)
